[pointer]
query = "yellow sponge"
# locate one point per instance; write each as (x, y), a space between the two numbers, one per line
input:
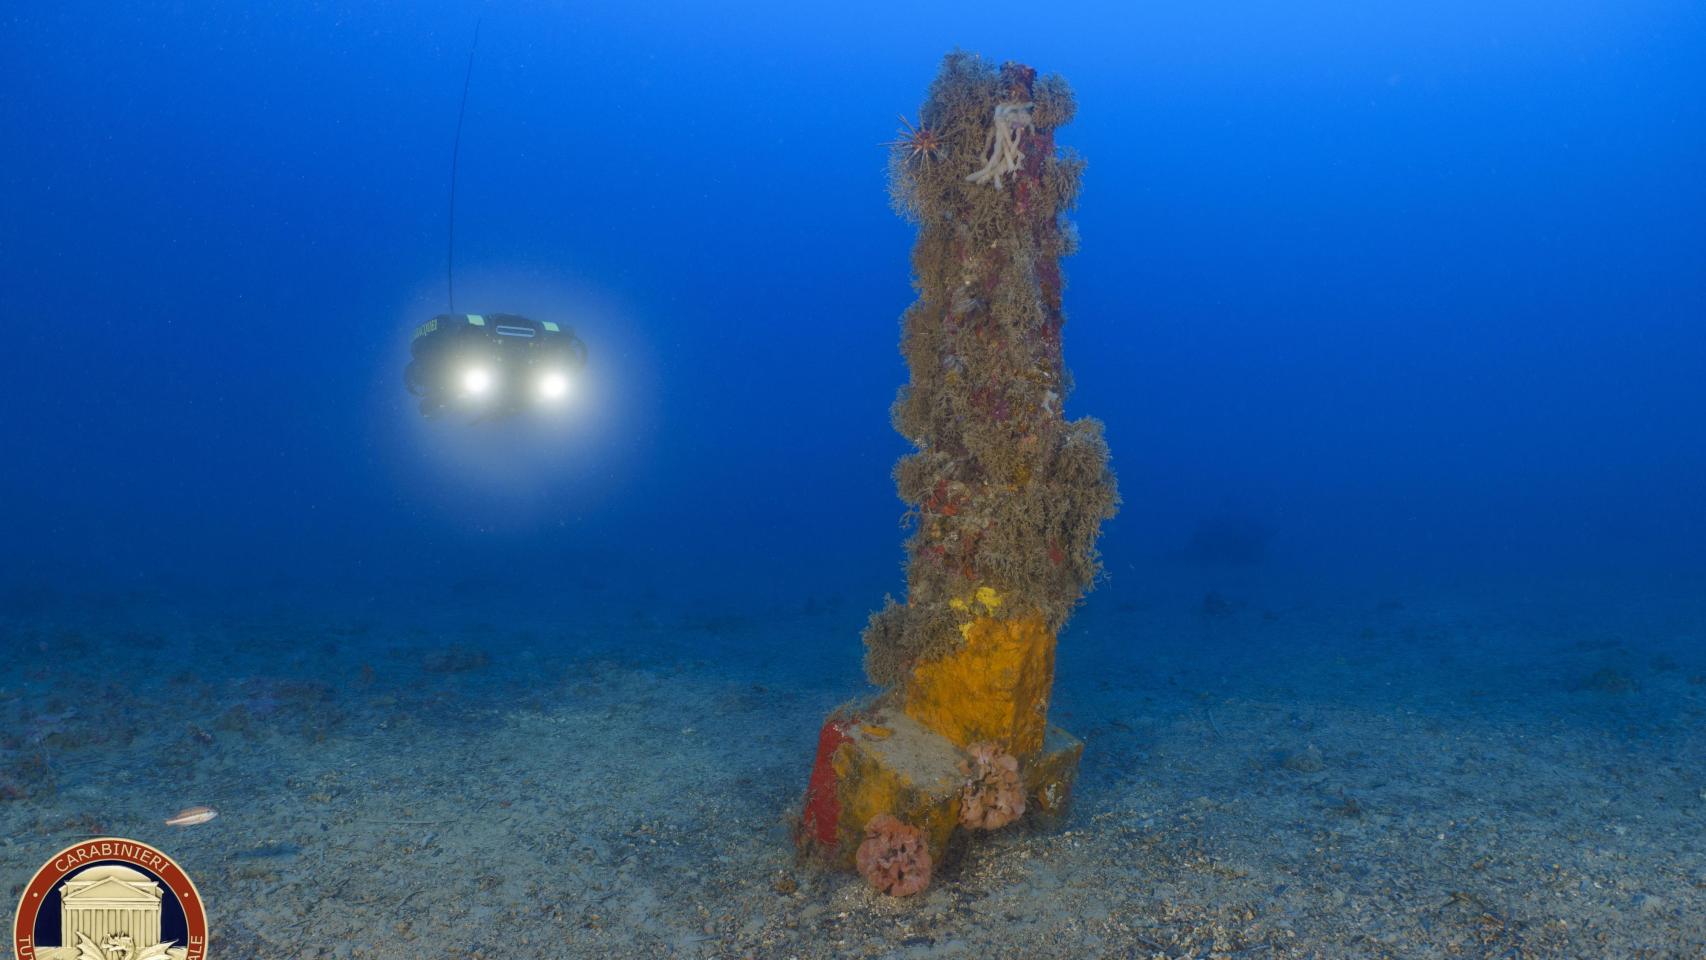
(995, 687)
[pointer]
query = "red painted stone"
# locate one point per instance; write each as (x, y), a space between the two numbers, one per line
(823, 807)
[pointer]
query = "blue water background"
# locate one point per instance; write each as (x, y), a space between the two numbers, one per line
(1417, 290)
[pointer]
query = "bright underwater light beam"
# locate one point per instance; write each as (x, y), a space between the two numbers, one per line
(476, 380)
(553, 385)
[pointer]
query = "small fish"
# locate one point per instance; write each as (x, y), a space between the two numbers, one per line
(190, 816)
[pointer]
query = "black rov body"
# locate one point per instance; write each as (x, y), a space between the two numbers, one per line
(492, 364)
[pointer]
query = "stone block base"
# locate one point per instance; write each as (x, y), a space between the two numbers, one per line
(873, 759)
(1049, 777)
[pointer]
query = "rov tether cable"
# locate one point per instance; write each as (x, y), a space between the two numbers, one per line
(456, 155)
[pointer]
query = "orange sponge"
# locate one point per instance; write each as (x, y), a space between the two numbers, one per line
(894, 857)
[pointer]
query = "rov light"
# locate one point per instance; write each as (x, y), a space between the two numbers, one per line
(553, 385)
(476, 381)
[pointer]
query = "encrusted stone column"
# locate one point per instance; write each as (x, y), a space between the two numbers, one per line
(1006, 494)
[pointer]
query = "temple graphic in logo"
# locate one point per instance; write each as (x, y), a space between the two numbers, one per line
(110, 900)
(116, 910)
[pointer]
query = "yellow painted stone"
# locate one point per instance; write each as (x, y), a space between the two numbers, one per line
(890, 763)
(911, 773)
(995, 687)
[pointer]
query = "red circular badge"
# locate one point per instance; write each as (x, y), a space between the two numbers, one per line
(114, 898)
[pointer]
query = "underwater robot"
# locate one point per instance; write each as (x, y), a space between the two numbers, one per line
(492, 365)
(487, 365)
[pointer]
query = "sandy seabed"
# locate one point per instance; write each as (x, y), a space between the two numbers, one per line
(1362, 777)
